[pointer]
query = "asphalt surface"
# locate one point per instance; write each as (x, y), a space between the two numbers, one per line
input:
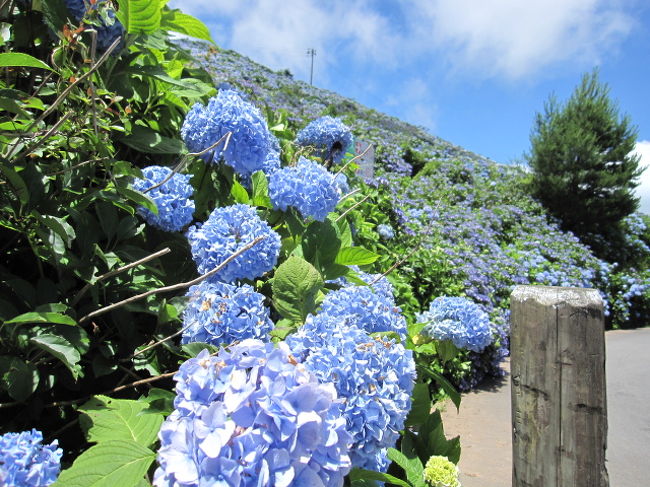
(485, 427)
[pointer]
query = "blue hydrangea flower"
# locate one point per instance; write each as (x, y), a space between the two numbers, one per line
(220, 314)
(385, 231)
(252, 416)
(109, 29)
(342, 183)
(226, 231)
(249, 143)
(459, 320)
(374, 377)
(26, 462)
(371, 310)
(308, 187)
(329, 136)
(175, 208)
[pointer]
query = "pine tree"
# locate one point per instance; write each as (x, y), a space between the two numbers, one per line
(584, 171)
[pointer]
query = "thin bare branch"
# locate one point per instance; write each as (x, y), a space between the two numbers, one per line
(354, 191)
(112, 273)
(352, 208)
(395, 265)
(159, 342)
(174, 287)
(47, 135)
(352, 160)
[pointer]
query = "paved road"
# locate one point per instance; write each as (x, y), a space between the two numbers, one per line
(484, 420)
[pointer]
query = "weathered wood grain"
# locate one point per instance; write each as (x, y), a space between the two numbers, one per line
(559, 411)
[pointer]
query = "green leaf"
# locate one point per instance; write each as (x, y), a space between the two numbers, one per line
(176, 21)
(261, 190)
(239, 193)
(194, 348)
(20, 379)
(446, 386)
(139, 199)
(447, 350)
(355, 256)
(295, 286)
(42, 317)
(431, 440)
(321, 241)
(144, 139)
(60, 348)
(117, 419)
(16, 182)
(18, 59)
(420, 405)
(358, 474)
(412, 466)
(113, 463)
(140, 15)
(61, 227)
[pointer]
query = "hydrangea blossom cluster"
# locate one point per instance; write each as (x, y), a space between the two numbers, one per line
(109, 29)
(374, 377)
(459, 320)
(26, 462)
(385, 231)
(220, 314)
(227, 230)
(372, 311)
(252, 416)
(308, 187)
(440, 472)
(175, 208)
(328, 135)
(249, 143)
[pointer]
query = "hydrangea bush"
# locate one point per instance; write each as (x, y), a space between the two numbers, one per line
(252, 416)
(175, 208)
(228, 230)
(26, 462)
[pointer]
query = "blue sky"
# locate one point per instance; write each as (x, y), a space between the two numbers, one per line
(473, 72)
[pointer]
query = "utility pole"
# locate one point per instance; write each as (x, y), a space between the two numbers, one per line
(311, 52)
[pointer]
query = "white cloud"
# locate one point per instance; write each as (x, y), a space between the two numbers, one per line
(516, 39)
(643, 190)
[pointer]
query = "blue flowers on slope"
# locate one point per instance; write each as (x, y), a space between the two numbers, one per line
(227, 230)
(175, 208)
(221, 314)
(252, 416)
(459, 320)
(26, 462)
(308, 187)
(374, 377)
(385, 231)
(329, 136)
(249, 143)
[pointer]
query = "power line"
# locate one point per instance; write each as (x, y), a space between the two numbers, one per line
(311, 52)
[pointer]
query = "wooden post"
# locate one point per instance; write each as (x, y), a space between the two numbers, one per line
(559, 410)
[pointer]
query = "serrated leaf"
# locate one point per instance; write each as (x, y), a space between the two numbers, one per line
(420, 405)
(239, 193)
(260, 185)
(60, 348)
(355, 256)
(176, 21)
(295, 285)
(42, 317)
(321, 241)
(19, 59)
(359, 474)
(114, 419)
(114, 463)
(411, 466)
(140, 15)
